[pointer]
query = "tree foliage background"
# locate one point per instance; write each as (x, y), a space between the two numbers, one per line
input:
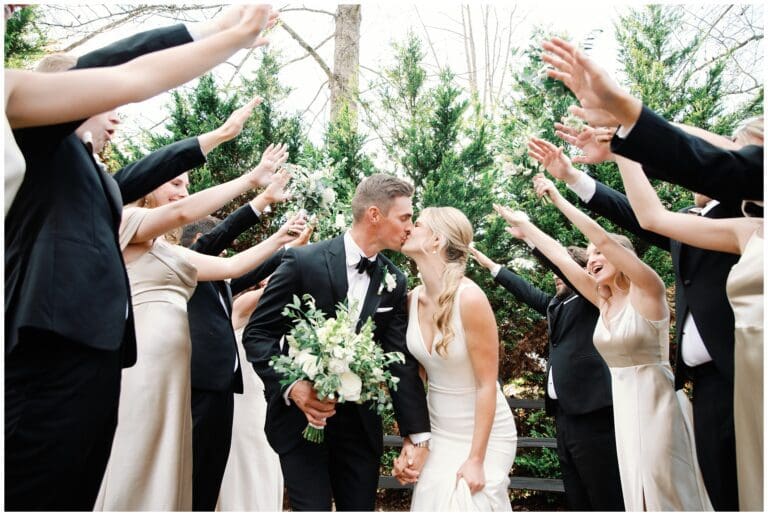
(436, 130)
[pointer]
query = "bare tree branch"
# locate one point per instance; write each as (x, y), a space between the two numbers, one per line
(426, 34)
(314, 98)
(326, 40)
(306, 46)
(307, 9)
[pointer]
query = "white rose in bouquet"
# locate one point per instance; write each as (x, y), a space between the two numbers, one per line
(340, 362)
(351, 386)
(337, 366)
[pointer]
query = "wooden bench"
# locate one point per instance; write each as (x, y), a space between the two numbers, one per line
(515, 482)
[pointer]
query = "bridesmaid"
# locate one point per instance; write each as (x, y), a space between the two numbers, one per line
(744, 287)
(654, 434)
(252, 480)
(150, 467)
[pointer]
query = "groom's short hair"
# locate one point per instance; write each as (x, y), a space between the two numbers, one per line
(378, 190)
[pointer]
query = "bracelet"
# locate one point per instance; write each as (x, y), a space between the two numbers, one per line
(423, 444)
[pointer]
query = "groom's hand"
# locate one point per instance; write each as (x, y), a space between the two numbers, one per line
(317, 411)
(409, 464)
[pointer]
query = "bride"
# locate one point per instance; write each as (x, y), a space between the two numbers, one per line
(452, 333)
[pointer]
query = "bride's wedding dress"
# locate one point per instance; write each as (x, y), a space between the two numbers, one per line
(451, 400)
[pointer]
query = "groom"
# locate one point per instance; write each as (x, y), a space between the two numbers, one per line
(345, 467)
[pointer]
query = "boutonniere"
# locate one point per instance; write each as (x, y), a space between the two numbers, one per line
(388, 280)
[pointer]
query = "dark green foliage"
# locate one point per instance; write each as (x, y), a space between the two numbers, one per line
(24, 40)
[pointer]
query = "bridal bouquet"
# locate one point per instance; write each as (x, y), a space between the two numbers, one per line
(342, 364)
(312, 190)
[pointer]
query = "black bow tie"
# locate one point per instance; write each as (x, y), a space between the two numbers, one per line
(365, 265)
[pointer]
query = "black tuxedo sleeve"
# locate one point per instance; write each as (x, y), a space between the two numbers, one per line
(46, 137)
(549, 264)
(409, 400)
(523, 291)
(615, 207)
(253, 277)
(261, 337)
(139, 178)
(669, 153)
(137, 45)
(222, 236)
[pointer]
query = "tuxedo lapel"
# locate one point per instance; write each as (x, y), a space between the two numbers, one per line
(372, 297)
(336, 261)
(112, 191)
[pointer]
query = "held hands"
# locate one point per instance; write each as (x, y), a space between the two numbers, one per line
(553, 159)
(409, 464)
(271, 159)
(595, 144)
(275, 191)
(317, 411)
(288, 231)
(303, 238)
(544, 186)
(473, 474)
(603, 102)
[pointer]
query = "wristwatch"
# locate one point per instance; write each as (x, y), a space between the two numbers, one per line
(423, 444)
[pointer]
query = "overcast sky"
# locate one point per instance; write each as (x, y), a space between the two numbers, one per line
(382, 24)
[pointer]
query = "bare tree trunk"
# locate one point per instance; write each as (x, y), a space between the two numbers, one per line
(346, 61)
(469, 45)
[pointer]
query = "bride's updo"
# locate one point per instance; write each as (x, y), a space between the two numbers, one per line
(455, 232)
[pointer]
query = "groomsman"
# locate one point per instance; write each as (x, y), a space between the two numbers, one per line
(216, 374)
(578, 392)
(344, 469)
(68, 317)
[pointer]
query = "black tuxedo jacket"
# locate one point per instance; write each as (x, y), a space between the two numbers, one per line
(64, 268)
(321, 271)
(582, 379)
(669, 153)
(213, 341)
(700, 277)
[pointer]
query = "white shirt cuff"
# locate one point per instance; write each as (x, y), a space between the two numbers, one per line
(420, 437)
(194, 31)
(255, 210)
(495, 269)
(584, 187)
(622, 132)
(287, 392)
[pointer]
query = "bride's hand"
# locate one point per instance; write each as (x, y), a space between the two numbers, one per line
(403, 468)
(472, 473)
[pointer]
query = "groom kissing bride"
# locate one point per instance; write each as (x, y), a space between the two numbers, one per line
(469, 464)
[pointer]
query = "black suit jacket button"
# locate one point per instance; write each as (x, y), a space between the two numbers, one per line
(687, 283)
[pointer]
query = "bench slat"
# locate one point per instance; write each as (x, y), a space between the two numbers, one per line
(534, 484)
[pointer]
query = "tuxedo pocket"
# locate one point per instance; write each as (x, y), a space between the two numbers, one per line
(384, 309)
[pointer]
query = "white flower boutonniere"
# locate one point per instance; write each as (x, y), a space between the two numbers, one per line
(388, 281)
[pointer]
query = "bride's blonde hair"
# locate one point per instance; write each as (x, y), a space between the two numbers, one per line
(455, 232)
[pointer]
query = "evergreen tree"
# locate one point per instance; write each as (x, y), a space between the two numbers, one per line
(24, 40)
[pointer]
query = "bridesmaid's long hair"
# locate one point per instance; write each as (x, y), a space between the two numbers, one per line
(456, 232)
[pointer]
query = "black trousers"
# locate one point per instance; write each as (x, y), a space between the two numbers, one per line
(715, 435)
(61, 402)
(586, 446)
(343, 469)
(212, 413)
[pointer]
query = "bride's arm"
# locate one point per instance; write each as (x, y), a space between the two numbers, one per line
(483, 347)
